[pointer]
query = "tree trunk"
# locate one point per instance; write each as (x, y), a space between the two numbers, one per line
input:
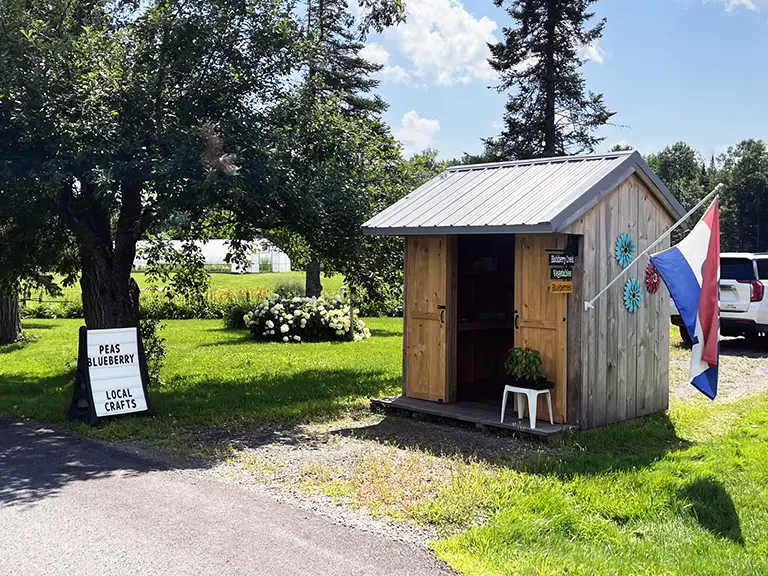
(313, 286)
(10, 318)
(110, 296)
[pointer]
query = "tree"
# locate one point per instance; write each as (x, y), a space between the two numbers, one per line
(744, 200)
(335, 96)
(548, 112)
(620, 148)
(121, 113)
(33, 246)
(678, 166)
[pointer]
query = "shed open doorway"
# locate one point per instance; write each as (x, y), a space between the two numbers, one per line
(485, 314)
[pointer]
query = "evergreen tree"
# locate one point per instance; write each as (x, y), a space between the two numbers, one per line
(548, 112)
(335, 64)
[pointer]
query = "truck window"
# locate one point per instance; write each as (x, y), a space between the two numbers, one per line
(737, 269)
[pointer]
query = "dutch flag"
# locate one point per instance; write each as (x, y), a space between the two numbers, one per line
(691, 271)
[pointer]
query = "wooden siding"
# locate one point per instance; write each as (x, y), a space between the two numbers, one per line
(624, 367)
(542, 323)
(429, 339)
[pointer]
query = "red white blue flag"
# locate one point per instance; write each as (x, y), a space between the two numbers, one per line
(691, 271)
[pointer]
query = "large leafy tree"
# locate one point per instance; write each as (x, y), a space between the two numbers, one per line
(122, 113)
(744, 201)
(679, 167)
(549, 111)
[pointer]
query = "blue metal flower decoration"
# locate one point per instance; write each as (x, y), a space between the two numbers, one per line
(633, 295)
(625, 250)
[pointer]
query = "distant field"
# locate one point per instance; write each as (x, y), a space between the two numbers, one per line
(222, 281)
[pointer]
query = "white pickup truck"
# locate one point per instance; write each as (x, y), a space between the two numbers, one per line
(743, 306)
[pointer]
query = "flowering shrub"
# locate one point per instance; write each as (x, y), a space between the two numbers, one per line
(303, 320)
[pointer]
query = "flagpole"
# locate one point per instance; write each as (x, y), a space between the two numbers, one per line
(591, 303)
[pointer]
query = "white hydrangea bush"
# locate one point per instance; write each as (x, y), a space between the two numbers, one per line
(294, 320)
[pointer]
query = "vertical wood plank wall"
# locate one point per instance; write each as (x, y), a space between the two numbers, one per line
(429, 339)
(624, 357)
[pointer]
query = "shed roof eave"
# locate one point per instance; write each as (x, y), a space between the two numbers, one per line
(542, 228)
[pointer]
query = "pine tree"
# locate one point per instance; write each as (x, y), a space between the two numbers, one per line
(336, 65)
(548, 112)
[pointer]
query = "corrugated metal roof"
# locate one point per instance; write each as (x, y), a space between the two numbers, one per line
(544, 195)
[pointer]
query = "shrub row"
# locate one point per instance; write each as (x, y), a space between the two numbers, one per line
(156, 305)
(229, 305)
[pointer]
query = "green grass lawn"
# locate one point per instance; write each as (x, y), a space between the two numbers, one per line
(225, 282)
(212, 377)
(683, 493)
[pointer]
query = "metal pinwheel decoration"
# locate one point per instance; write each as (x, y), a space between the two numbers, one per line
(633, 295)
(625, 250)
(652, 278)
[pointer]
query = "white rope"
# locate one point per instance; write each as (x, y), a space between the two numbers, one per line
(591, 303)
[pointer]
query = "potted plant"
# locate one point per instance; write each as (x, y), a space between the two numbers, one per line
(525, 369)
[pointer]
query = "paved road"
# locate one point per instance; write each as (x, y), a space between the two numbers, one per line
(71, 506)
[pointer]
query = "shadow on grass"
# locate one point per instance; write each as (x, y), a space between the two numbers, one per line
(442, 437)
(385, 333)
(191, 412)
(300, 395)
(32, 325)
(623, 446)
(14, 346)
(712, 507)
(235, 338)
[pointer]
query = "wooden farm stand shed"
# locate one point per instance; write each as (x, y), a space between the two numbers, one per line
(478, 281)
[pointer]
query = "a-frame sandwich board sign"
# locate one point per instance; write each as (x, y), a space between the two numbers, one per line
(112, 375)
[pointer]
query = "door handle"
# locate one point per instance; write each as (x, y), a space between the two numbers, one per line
(517, 320)
(441, 307)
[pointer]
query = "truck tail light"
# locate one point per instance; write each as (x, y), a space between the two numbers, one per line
(758, 290)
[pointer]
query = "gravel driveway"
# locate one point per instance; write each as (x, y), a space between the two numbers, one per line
(743, 370)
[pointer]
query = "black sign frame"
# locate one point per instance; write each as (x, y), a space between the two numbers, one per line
(563, 269)
(82, 406)
(562, 259)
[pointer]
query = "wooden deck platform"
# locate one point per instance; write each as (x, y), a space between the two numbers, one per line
(479, 413)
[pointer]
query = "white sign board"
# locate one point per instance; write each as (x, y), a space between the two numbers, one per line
(115, 371)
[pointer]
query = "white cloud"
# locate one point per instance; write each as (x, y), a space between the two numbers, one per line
(375, 52)
(443, 43)
(732, 5)
(591, 52)
(416, 133)
(395, 74)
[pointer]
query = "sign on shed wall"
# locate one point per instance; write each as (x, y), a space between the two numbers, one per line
(112, 375)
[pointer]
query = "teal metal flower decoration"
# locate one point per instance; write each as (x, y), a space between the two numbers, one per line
(633, 295)
(625, 250)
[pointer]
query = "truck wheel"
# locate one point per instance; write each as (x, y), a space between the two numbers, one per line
(687, 342)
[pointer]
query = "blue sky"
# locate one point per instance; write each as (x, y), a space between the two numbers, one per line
(692, 70)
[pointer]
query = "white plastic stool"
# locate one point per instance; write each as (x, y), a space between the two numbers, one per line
(533, 397)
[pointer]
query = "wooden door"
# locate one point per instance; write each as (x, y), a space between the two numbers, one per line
(541, 321)
(428, 357)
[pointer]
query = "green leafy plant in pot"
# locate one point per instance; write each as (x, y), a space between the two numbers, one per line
(525, 369)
